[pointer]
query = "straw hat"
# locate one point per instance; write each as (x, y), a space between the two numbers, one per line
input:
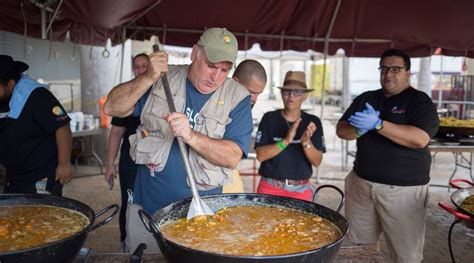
(295, 80)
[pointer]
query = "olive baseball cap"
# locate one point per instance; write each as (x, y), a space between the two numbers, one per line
(219, 44)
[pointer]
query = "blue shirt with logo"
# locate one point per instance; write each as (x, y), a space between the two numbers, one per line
(170, 185)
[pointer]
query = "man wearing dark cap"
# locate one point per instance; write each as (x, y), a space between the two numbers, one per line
(35, 136)
(289, 143)
(213, 118)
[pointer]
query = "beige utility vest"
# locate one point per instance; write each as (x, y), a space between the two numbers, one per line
(152, 142)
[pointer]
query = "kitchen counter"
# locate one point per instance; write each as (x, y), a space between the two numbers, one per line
(352, 254)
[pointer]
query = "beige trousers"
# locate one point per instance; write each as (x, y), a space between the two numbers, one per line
(137, 233)
(237, 185)
(397, 212)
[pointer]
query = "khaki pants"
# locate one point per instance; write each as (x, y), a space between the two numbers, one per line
(399, 212)
(137, 233)
(237, 185)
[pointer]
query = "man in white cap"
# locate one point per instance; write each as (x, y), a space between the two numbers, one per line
(288, 143)
(213, 118)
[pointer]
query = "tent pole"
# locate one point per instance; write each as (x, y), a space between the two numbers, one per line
(271, 95)
(53, 17)
(143, 13)
(323, 86)
(124, 35)
(269, 36)
(43, 24)
(326, 49)
(43, 9)
(440, 94)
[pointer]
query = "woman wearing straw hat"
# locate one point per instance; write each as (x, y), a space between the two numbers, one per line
(289, 142)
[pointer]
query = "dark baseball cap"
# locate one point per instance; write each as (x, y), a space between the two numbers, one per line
(9, 66)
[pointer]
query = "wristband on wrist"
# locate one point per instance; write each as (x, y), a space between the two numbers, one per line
(379, 125)
(281, 145)
(359, 132)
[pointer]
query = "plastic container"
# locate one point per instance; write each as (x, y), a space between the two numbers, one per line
(73, 122)
(88, 122)
(80, 120)
(96, 123)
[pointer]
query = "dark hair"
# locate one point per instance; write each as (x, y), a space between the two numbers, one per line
(396, 53)
(139, 55)
(248, 68)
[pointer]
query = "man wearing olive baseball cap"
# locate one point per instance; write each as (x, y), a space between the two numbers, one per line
(219, 44)
(213, 118)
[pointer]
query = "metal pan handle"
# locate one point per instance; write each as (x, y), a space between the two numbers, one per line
(454, 183)
(138, 253)
(453, 211)
(105, 221)
(147, 222)
(146, 219)
(341, 203)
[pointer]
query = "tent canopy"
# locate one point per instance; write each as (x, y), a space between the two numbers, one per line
(363, 28)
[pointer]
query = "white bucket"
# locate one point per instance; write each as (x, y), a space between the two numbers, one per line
(73, 123)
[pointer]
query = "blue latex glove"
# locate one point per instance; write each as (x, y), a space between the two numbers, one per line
(365, 120)
(361, 132)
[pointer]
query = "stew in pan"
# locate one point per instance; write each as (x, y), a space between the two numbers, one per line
(468, 204)
(253, 231)
(27, 226)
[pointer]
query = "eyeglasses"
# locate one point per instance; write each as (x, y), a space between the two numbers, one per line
(395, 69)
(296, 92)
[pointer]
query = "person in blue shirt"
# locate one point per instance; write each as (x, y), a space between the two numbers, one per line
(212, 60)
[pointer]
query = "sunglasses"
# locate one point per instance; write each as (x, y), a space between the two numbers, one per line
(296, 92)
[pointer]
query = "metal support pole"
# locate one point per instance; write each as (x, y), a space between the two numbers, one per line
(43, 23)
(271, 95)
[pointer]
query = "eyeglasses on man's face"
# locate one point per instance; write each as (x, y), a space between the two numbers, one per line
(296, 92)
(394, 69)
